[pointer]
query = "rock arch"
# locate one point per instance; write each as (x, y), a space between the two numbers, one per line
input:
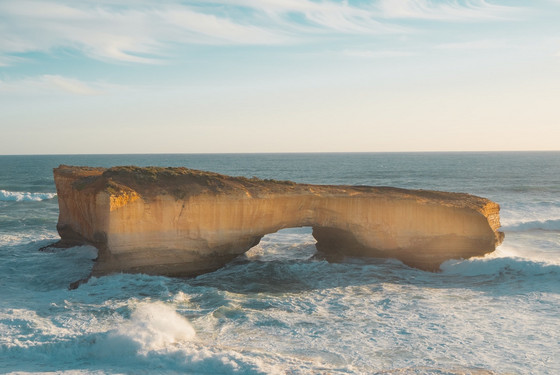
(178, 221)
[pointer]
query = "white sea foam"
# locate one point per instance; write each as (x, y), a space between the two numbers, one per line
(24, 328)
(276, 311)
(536, 215)
(504, 259)
(290, 243)
(551, 225)
(155, 336)
(23, 196)
(156, 333)
(9, 239)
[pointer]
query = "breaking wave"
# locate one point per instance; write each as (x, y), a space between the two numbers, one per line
(550, 225)
(153, 326)
(154, 337)
(22, 196)
(498, 266)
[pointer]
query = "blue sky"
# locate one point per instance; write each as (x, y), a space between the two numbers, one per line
(124, 76)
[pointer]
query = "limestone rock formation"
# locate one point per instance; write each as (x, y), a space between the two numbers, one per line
(181, 222)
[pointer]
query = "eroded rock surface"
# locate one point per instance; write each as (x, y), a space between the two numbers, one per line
(181, 222)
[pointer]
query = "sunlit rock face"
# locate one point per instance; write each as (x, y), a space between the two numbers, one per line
(183, 222)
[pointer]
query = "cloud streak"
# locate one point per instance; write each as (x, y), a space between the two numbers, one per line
(459, 10)
(472, 45)
(139, 35)
(52, 84)
(143, 32)
(377, 54)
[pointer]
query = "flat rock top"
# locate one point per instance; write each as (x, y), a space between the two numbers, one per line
(182, 183)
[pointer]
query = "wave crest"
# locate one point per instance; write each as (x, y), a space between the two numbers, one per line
(23, 196)
(494, 266)
(550, 225)
(154, 326)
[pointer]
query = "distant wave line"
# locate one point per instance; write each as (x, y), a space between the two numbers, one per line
(22, 196)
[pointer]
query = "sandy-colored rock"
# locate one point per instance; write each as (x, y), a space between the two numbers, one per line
(178, 221)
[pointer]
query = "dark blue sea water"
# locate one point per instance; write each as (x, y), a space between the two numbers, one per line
(279, 310)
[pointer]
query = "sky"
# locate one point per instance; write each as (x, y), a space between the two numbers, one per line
(226, 76)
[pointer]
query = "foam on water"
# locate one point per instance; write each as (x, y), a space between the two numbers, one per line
(531, 215)
(155, 336)
(288, 316)
(19, 196)
(279, 309)
(290, 243)
(153, 326)
(11, 239)
(497, 265)
(550, 225)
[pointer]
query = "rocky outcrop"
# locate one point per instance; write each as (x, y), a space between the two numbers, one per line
(178, 221)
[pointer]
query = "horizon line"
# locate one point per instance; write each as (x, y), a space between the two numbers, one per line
(295, 152)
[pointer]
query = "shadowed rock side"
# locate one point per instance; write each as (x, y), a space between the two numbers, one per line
(183, 222)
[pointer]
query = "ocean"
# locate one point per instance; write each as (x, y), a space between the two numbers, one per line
(279, 309)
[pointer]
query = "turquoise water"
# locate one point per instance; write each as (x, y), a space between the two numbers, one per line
(279, 309)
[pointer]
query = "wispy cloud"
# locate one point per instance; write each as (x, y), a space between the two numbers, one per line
(9, 60)
(143, 31)
(70, 85)
(48, 84)
(306, 15)
(374, 54)
(130, 34)
(458, 10)
(472, 45)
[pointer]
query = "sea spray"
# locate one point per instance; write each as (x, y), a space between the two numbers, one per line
(156, 334)
(153, 326)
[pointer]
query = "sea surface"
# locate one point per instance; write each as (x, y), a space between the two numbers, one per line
(278, 309)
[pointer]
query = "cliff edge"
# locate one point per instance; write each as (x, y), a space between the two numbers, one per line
(184, 222)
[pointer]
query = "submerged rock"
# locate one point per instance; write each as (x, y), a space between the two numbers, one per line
(184, 222)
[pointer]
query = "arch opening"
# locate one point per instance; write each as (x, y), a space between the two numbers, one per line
(295, 243)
